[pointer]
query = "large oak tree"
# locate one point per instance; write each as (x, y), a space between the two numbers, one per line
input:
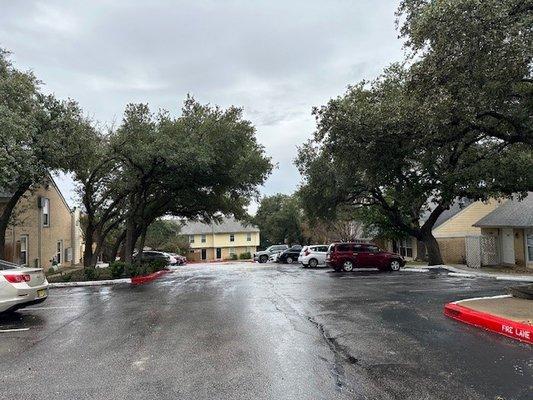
(453, 121)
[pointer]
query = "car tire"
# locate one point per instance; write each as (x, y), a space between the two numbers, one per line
(347, 266)
(263, 259)
(313, 263)
(289, 260)
(395, 265)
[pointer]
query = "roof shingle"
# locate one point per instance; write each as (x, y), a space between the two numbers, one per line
(228, 225)
(513, 213)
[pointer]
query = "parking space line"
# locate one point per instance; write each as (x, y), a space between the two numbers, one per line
(50, 308)
(14, 330)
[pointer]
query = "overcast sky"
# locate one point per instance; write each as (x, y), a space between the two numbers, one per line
(276, 59)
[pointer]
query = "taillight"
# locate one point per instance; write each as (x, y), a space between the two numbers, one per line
(307, 252)
(18, 278)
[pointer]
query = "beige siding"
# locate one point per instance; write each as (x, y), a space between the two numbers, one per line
(452, 250)
(461, 223)
(519, 247)
(42, 241)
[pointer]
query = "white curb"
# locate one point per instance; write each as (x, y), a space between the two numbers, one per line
(461, 275)
(408, 269)
(458, 272)
(89, 283)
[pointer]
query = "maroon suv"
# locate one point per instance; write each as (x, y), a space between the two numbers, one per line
(347, 256)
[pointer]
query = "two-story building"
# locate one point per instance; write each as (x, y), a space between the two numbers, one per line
(220, 241)
(44, 230)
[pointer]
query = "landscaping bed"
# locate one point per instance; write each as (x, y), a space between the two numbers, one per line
(116, 270)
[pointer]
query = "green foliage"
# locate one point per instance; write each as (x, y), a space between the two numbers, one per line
(91, 274)
(234, 256)
(452, 122)
(164, 235)
(117, 269)
(245, 256)
(204, 162)
(279, 217)
(38, 134)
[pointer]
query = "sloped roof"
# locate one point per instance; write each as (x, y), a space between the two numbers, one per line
(227, 225)
(513, 213)
(457, 206)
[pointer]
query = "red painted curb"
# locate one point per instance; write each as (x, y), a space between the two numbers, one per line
(140, 280)
(512, 329)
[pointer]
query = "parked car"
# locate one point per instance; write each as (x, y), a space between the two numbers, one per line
(262, 256)
(274, 257)
(347, 256)
(180, 260)
(313, 256)
(21, 286)
(290, 255)
(151, 255)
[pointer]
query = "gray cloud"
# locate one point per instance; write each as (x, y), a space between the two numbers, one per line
(276, 59)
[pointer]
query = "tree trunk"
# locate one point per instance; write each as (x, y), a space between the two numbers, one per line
(141, 245)
(432, 248)
(114, 249)
(88, 253)
(129, 243)
(5, 217)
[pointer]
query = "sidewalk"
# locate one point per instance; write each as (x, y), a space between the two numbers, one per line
(466, 272)
(505, 315)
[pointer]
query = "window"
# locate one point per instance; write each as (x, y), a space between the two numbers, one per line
(45, 203)
(24, 250)
(191, 238)
(405, 247)
(529, 243)
(249, 237)
(358, 248)
(203, 238)
(232, 237)
(343, 247)
(373, 249)
(231, 251)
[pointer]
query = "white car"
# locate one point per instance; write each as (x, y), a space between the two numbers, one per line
(21, 286)
(274, 257)
(313, 256)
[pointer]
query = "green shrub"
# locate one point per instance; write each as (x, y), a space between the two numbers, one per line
(91, 274)
(131, 270)
(234, 256)
(66, 277)
(245, 256)
(157, 265)
(117, 269)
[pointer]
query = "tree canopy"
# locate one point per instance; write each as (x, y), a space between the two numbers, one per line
(202, 163)
(38, 134)
(453, 121)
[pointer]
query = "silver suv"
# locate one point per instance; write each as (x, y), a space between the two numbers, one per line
(262, 256)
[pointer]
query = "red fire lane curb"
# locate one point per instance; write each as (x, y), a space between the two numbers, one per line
(493, 323)
(140, 280)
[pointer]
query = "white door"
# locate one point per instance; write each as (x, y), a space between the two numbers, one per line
(507, 240)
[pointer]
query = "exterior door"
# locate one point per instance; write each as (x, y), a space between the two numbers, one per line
(59, 252)
(23, 251)
(507, 241)
(219, 253)
(204, 254)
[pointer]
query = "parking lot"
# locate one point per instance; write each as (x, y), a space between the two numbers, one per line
(250, 331)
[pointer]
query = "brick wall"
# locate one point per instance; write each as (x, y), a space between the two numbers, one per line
(453, 250)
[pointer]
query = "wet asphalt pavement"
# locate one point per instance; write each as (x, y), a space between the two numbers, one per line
(249, 331)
